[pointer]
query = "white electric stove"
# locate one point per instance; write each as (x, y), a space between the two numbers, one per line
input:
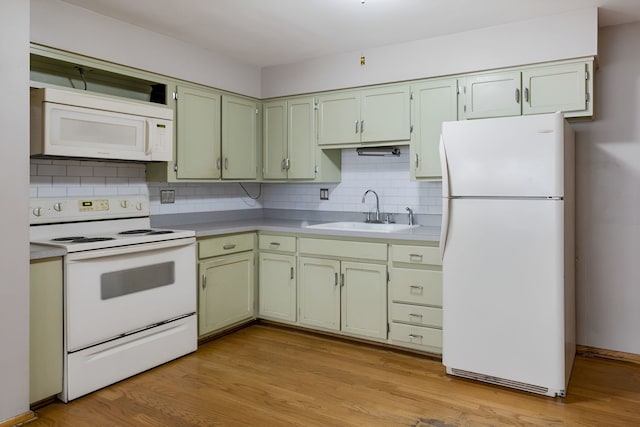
(129, 290)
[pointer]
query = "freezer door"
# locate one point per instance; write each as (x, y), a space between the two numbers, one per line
(503, 290)
(504, 157)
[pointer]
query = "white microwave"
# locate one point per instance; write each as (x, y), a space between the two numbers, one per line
(87, 125)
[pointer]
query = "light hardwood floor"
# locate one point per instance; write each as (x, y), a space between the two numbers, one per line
(269, 376)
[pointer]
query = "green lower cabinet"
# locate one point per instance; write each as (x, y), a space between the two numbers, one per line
(277, 293)
(45, 329)
(226, 292)
(344, 296)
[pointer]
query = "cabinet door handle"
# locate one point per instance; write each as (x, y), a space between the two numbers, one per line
(361, 126)
(416, 336)
(226, 163)
(204, 281)
(291, 273)
(229, 246)
(517, 96)
(416, 160)
(356, 126)
(342, 280)
(415, 257)
(416, 287)
(335, 280)
(218, 164)
(287, 163)
(526, 94)
(283, 164)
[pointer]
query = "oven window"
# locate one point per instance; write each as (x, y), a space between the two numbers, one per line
(124, 282)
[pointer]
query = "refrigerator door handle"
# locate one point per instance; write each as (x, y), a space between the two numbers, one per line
(444, 229)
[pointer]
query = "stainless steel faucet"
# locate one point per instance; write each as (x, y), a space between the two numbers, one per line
(364, 196)
(410, 215)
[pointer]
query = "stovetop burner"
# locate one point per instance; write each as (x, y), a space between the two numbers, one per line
(145, 231)
(91, 239)
(67, 239)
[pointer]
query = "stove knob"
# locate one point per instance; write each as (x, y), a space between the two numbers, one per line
(57, 207)
(139, 206)
(124, 204)
(37, 211)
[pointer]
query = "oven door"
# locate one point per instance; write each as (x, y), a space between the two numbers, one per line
(116, 291)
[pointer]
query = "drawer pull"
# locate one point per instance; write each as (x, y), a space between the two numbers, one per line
(274, 244)
(419, 316)
(416, 287)
(229, 246)
(415, 257)
(415, 336)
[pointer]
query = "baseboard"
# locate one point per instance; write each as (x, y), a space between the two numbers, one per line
(621, 356)
(18, 419)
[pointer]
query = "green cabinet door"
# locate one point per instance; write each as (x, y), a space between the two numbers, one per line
(274, 133)
(301, 147)
(226, 292)
(435, 102)
(491, 95)
(45, 329)
(385, 114)
(319, 293)
(339, 118)
(198, 134)
(277, 291)
(556, 88)
(239, 138)
(364, 299)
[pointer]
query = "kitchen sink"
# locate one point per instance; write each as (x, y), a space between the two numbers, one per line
(362, 226)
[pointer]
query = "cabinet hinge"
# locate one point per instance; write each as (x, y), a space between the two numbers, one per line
(586, 75)
(411, 96)
(388, 277)
(175, 95)
(388, 328)
(316, 106)
(411, 129)
(586, 97)
(175, 167)
(460, 90)
(256, 111)
(464, 108)
(316, 169)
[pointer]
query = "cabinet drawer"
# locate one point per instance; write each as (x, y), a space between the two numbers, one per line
(417, 335)
(426, 255)
(277, 243)
(416, 315)
(344, 249)
(416, 286)
(215, 246)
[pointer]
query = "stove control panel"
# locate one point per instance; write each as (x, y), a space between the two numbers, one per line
(52, 210)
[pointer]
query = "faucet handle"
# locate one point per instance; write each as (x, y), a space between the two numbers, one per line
(410, 215)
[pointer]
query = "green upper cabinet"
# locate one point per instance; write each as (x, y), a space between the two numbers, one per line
(239, 138)
(434, 101)
(375, 115)
(490, 95)
(198, 134)
(289, 139)
(557, 88)
(562, 86)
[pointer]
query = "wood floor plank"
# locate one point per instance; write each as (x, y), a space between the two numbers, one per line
(269, 376)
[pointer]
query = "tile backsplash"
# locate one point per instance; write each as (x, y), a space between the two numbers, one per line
(388, 176)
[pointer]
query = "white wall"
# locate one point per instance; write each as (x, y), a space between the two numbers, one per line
(608, 210)
(64, 26)
(569, 35)
(14, 227)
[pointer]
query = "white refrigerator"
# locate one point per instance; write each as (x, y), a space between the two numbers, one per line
(508, 252)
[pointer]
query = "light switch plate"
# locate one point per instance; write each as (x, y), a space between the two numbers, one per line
(167, 196)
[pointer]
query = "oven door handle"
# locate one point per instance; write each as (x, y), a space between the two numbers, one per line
(131, 249)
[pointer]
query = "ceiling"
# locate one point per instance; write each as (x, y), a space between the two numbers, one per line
(273, 32)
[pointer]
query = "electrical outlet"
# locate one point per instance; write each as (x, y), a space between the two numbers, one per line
(167, 196)
(324, 194)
